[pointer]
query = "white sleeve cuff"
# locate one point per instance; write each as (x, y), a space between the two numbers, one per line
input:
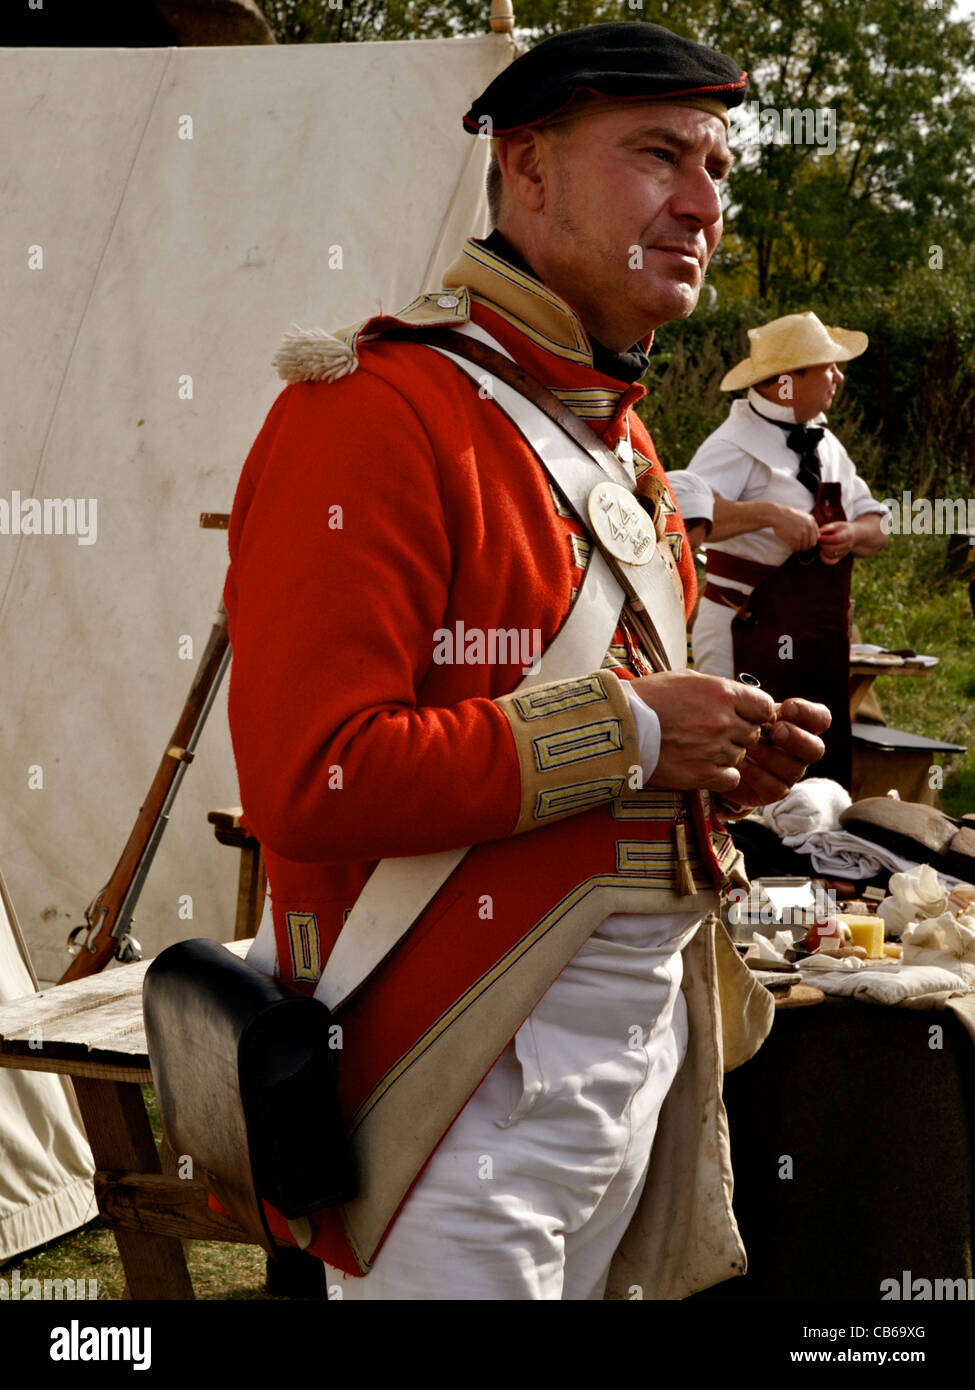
(693, 495)
(647, 730)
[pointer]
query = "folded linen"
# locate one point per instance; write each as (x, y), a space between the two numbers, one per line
(813, 804)
(838, 854)
(888, 985)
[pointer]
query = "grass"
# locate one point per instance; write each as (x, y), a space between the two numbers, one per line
(904, 598)
(219, 1270)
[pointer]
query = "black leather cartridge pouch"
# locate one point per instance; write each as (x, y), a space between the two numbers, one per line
(245, 1071)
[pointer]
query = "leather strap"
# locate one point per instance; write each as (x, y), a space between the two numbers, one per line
(723, 565)
(733, 598)
(399, 889)
(482, 354)
(651, 589)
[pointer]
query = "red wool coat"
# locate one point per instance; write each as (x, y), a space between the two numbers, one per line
(374, 512)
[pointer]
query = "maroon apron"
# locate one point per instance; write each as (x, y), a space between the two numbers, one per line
(792, 633)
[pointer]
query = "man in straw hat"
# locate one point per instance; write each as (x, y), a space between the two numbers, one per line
(779, 559)
(508, 1046)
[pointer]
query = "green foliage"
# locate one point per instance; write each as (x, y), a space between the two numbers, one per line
(806, 225)
(805, 219)
(684, 403)
(894, 72)
(876, 236)
(315, 21)
(905, 598)
(907, 410)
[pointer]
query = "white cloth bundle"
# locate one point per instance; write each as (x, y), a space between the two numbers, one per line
(814, 804)
(891, 984)
(946, 941)
(915, 895)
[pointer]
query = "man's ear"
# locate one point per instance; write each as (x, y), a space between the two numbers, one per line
(522, 163)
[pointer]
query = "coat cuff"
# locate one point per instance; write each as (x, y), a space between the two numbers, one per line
(577, 746)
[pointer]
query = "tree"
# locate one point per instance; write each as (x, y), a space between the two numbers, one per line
(879, 172)
(319, 21)
(870, 103)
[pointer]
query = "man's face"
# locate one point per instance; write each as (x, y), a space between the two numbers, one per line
(630, 214)
(813, 391)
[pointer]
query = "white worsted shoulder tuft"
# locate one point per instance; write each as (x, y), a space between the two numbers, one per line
(311, 354)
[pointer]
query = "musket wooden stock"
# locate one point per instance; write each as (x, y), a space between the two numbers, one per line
(103, 915)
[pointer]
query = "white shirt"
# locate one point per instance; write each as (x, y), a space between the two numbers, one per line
(693, 495)
(747, 459)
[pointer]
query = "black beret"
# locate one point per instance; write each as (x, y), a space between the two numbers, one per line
(628, 59)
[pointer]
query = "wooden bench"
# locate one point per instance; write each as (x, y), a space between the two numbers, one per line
(884, 757)
(92, 1031)
(251, 877)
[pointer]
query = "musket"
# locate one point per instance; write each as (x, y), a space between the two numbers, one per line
(108, 917)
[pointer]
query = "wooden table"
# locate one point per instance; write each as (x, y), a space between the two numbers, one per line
(92, 1031)
(786, 1101)
(879, 1131)
(864, 673)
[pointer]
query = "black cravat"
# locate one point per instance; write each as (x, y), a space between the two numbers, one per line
(803, 440)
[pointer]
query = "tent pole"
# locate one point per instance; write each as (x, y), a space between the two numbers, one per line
(502, 19)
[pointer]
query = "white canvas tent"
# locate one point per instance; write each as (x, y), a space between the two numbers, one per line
(167, 215)
(45, 1161)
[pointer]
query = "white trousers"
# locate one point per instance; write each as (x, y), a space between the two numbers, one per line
(533, 1186)
(711, 639)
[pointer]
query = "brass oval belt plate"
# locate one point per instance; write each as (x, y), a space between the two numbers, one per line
(622, 526)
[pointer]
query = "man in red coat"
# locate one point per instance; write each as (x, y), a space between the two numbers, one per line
(507, 1066)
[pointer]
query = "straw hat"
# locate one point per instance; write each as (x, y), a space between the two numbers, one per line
(785, 345)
